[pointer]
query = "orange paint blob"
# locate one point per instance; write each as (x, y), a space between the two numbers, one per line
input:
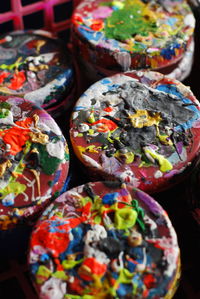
(17, 81)
(16, 137)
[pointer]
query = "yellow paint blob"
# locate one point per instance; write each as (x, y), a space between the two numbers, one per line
(144, 118)
(165, 165)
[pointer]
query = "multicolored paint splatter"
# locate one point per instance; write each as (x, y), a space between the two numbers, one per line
(34, 160)
(104, 240)
(36, 66)
(138, 127)
(126, 34)
(179, 71)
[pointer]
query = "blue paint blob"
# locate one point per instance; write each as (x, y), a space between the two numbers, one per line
(44, 257)
(89, 33)
(169, 52)
(110, 198)
(172, 89)
(34, 268)
(124, 289)
(105, 81)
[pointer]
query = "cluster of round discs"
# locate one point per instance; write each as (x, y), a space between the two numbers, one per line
(136, 130)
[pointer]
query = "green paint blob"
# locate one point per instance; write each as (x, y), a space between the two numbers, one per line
(11, 66)
(125, 277)
(13, 187)
(5, 105)
(125, 23)
(4, 113)
(4, 109)
(60, 275)
(49, 164)
(140, 212)
(69, 264)
(50, 183)
(97, 219)
(43, 274)
(66, 156)
(125, 218)
(56, 194)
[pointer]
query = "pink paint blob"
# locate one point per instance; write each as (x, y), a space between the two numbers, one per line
(102, 12)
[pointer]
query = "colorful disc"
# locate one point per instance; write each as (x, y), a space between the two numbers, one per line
(37, 66)
(34, 160)
(126, 34)
(104, 240)
(138, 127)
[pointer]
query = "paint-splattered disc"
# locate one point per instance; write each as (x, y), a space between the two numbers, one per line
(138, 127)
(37, 66)
(34, 160)
(104, 240)
(126, 34)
